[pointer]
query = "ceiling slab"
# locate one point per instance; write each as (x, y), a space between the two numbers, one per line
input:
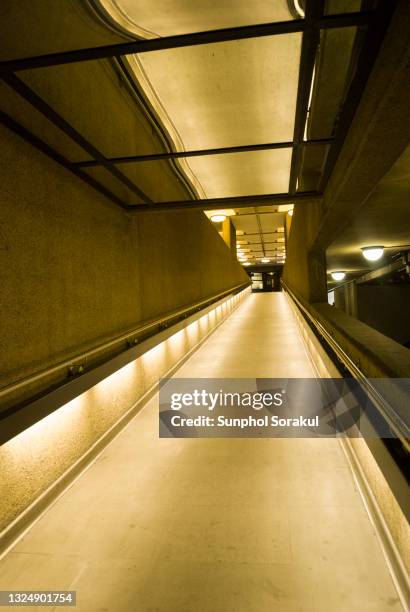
(168, 17)
(253, 173)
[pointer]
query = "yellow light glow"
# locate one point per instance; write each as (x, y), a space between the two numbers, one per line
(193, 331)
(63, 436)
(373, 253)
(227, 212)
(218, 218)
(114, 383)
(338, 276)
(33, 439)
(285, 207)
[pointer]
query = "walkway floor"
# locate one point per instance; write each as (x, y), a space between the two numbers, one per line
(241, 525)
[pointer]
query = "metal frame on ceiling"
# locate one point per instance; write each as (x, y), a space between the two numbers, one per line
(131, 159)
(376, 22)
(310, 44)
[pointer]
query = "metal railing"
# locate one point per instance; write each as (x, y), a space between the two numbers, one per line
(83, 362)
(399, 427)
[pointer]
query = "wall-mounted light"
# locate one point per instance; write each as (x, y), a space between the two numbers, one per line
(373, 253)
(265, 260)
(218, 218)
(338, 276)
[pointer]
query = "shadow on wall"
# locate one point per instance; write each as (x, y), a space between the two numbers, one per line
(382, 307)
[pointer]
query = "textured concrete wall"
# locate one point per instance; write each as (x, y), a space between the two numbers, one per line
(396, 521)
(76, 269)
(185, 260)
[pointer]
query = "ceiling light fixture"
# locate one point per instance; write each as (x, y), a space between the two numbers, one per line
(218, 218)
(373, 253)
(338, 276)
(227, 212)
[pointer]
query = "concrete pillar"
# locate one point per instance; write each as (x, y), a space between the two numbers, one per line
(346, 298)
(305, 268)
(317, 287)
(229, 234)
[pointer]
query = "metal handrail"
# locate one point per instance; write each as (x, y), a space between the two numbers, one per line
(397, 425)
(129, 338)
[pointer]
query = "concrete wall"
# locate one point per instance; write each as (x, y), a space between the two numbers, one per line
(305, 271)
(76, 269)
(346, 298)
(387, 309)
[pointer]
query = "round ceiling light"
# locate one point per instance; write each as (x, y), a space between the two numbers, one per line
(338, 276)
(218, 218)
(373, 253)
